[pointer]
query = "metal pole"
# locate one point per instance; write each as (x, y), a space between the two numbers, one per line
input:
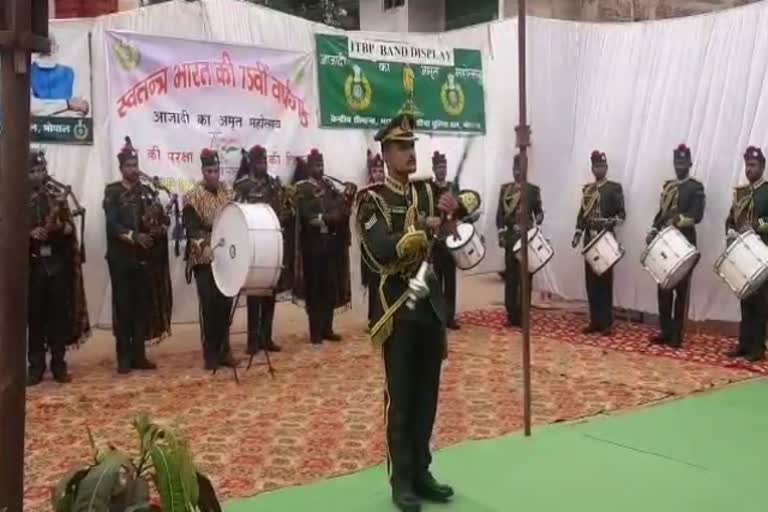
(523, 134)
(14, 247)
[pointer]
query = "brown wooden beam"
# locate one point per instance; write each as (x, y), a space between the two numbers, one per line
(14, 254)
(523, 133)
(26, 41)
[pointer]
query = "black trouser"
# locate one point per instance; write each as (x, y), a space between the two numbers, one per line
(47, 318)
(672, 310)
(413, 356)
(445, 269)
(261, 312)
(131, 299)
(513, 293)
(321, 293)
(215, 312)
(752, 328)
(600, 295)
(373, 292)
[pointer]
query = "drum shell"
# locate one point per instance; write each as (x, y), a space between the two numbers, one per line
(467, 250)
(603, 252)
(539, 250)
(669, 258)
(744, 265)
(251, 256)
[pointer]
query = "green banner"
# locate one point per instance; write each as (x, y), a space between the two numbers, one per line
(61, 130)
(364, 83)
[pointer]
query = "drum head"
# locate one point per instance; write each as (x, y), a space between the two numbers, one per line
(232, 258)
(465, 231)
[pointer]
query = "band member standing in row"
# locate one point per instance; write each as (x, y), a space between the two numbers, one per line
(749, 211)
(510, 228)
(322, 268)
(445, 265)
(602, 208)
(201, 205)
(682, 206)
(397, 222)
(254, 185)
(130, 238)
(58, 315)
(369, 278)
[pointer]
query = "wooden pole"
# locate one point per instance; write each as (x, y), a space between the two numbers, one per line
(15, 46)
(523, 135)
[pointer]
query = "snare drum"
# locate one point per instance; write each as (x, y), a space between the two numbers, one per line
(603, 252)
(247, 249)
(467, 249)
(669, 258)
(539, 250)
(744, 264)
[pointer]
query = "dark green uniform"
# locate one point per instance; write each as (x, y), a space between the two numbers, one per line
(445, 265)
(750, 211)
(129, 271)
(682, 205)
(50, 287)
(261, 310)
(509, 234)
(602, 207)
(323, 217)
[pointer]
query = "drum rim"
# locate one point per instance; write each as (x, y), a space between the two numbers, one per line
(598, 237)
(535, 230)
(213, 228)
(465, 242)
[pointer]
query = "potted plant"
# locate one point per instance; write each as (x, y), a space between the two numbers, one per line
(115, 482)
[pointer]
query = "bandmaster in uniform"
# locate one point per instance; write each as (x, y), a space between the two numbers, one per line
(749, 211)
(510, 227)
(397, 222)
(682, 206)
(602, 208)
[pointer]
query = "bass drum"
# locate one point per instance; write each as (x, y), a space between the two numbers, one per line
(247, 249)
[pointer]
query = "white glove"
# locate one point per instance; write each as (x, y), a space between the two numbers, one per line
(730, 236)
(419, 289)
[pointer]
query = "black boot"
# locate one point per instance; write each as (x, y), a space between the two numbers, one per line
(430, 489)
(59, 365)
(405, 500)
(35, 376)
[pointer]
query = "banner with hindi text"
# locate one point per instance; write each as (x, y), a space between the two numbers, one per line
(363, 83)
(174, 97)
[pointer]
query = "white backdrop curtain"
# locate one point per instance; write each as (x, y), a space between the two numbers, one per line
(632, 90)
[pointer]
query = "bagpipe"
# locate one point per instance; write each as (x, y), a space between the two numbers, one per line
(157, 215)
(61, 194)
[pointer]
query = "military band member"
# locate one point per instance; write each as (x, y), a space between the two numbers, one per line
(370, 279)
(397, 222)
(254, 185)
(510, 228)
(322, 269)
(201, 205)
(749, 211)
(57, 315)
(445, 265)
(602, 208)
(131, 235)
(682, 206)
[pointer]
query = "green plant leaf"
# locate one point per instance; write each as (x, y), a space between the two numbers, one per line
(96, 488)
(63, 495)
(208, 502)
(134, 495)
(169, 479)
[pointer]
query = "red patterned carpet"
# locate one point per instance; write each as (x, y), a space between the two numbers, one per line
(627, 337)
(322, 415)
